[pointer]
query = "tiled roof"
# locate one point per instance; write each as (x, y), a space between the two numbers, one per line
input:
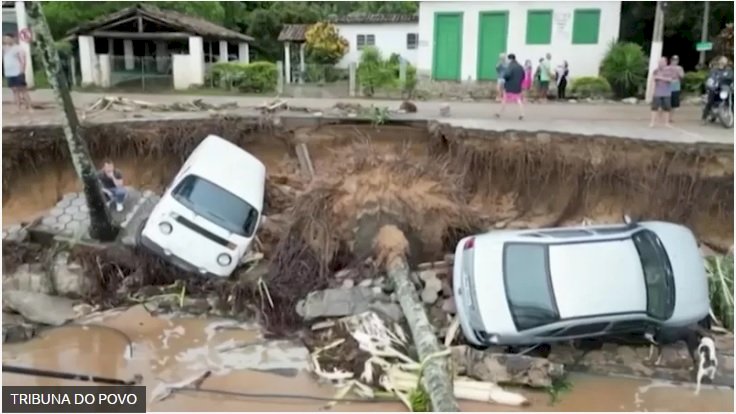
(374, 18)
(297, 32)
(180, 21)
(293, 32)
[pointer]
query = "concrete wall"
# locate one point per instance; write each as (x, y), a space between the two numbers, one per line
(390, 38)
(188, 70)
(584, 60)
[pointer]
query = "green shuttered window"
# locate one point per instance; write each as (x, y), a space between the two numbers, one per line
(585, 27)
(539, 27)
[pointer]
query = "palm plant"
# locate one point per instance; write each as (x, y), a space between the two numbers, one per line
(625, 68)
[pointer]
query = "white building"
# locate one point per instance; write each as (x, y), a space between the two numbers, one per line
(143, 40)
(389, 33)
(461, 40)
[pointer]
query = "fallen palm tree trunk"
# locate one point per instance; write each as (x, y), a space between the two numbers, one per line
(391, 249)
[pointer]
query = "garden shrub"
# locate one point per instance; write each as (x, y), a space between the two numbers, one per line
(376, 73)
(625, 69)
(256, 77)
(693, 81)
(590, 87)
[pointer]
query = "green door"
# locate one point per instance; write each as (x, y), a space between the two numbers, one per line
(492, 34)
(448, 42)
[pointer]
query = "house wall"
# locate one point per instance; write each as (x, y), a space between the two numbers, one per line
(390, 38)
(584, 60)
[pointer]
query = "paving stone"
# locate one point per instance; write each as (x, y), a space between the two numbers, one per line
(79, 201)
(79, 216)
(64, 218)
(49, 220)
(56, 211)
(71, 210)
(64, 202)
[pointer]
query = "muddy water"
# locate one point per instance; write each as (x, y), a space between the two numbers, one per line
(171, 350)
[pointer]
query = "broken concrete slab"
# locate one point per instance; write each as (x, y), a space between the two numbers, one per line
(505, 368)
(429, 296)
(17, 329)
(335, 303)
(30, 278)
(69, 278)
(39, 307)
(392, 311)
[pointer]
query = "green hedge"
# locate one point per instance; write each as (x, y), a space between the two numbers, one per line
(693, 81)
(590, 87)
(256, 77)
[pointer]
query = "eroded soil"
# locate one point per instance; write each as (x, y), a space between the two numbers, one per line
(436, 186)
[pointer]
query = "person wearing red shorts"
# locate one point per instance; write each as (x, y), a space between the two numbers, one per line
(513, 92)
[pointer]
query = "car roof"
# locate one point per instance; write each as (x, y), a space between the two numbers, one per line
(231, 167)
(593, 270)
(605, 277)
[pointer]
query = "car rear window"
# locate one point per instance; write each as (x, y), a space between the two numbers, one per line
(216, 204)
(660, 283)
(528, 286)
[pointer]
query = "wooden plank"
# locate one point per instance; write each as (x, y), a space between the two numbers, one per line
(141, 36)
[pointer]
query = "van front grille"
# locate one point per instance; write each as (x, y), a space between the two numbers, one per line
(204, 232)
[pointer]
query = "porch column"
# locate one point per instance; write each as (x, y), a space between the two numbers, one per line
(128, 53)
(243, 52)
(287, 62)
(302, 67)
(22, 21)
(223, 51)
(110, 46)
(87, 59)
(196, 56)
(162, 50)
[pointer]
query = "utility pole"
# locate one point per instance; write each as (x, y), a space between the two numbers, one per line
(704, 34)
(100, 227)
(655, 52)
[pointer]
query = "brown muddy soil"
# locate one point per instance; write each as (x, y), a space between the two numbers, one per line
(170, 350)
(436, 184)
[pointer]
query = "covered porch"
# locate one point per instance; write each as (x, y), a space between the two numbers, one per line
(146, 42)
(294, 38)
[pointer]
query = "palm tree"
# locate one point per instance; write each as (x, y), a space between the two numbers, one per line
(101, 227)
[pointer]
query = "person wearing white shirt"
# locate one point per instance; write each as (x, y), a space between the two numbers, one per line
(14, 69)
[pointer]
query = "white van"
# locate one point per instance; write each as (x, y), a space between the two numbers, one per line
(208, 216)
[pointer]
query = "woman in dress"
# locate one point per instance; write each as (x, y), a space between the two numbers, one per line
(526, 85)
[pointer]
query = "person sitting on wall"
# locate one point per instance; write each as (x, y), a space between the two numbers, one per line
(112, 184)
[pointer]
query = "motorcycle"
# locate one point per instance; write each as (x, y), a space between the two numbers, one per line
(722, 96)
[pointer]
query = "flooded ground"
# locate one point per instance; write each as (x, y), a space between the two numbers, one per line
(171, 350)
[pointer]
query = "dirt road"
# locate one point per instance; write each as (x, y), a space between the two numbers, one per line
(620, 119)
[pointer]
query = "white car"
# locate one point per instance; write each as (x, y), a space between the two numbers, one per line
(207, 218)
(523, 287)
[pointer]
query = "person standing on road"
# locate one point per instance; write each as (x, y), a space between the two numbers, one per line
(678, 73)
(500, 71)
(661, 101)
(526, 85)
(14, 69)
(563, 71)
(513, 79)
(545, 76)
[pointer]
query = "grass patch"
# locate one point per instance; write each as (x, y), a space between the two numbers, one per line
(559, 386)
(720, 283)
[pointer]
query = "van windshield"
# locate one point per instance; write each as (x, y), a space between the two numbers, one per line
(216, 204)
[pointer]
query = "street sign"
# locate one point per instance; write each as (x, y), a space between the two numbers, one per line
(24, 35)
(703, 46)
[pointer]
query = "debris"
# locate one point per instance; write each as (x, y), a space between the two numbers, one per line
(631, 100)
(39, 307)
(273, 106)
(69, 279)
(16, 329)
(118, 103)
(444, 110)
(505, 368)
(331, 303)
(348, 283)
(29, 278)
